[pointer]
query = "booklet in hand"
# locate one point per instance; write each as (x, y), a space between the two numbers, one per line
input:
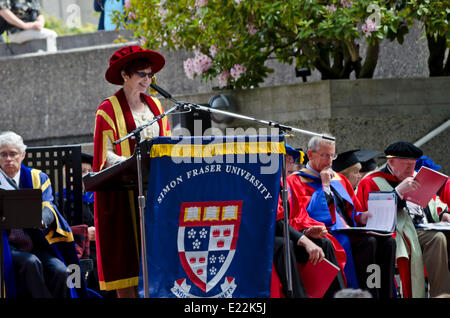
(431, 181)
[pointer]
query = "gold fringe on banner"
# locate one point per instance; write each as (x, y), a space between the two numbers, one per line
(219, 149)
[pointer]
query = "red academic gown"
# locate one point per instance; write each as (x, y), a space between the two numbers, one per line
(298, 199)
(366, 185)
(116, 212)
(406, 269)
(444, 194)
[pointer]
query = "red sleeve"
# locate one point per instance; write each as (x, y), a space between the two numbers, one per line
(444, 195)
(364, 187)
(298, 200)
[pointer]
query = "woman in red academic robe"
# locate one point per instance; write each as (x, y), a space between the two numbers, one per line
(116, 212)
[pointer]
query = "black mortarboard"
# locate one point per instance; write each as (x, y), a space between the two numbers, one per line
(367, 159)
(344, 160)
(368, 165)
(86, 158)
(403, 150)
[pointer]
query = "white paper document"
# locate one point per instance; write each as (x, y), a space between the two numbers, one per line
(440, 226)
(382, 206)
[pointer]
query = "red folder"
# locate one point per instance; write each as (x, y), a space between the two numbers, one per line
(317, 278)
(430, 181)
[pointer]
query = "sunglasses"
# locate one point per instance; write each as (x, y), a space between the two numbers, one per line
(144, 74)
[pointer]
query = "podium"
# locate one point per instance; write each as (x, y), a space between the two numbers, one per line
(130, 174)
(19, 209)
(121, 176)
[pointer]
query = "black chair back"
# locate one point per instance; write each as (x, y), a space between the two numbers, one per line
(63, 166)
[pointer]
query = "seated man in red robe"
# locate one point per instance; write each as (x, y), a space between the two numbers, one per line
(415, 248)
(309, 240)
(328, 197)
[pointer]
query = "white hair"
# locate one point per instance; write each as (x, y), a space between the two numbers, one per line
(10, 138)
(314, 142)
(352, 293)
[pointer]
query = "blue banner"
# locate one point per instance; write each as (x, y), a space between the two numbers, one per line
(210, 215)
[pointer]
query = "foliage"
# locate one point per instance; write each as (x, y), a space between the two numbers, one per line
(435, 16)
(232, 40)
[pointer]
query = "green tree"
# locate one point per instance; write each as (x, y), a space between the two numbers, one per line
(435, 17)
(232, 39)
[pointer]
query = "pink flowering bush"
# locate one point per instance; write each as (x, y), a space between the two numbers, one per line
(369, 26)
(201, 63)
(223, 79)
(237, 70)
(346, 3)
(231, 41)
(188, 66)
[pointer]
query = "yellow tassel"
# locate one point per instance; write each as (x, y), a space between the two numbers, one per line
(152, 91)
(302, 157)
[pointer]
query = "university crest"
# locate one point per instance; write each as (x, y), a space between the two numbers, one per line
(207, 237)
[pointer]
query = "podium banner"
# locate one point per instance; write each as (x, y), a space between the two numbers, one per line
(210, 215)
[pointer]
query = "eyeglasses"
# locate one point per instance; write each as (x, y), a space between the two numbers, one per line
(326, 156)
(12, 155)
(144, 74)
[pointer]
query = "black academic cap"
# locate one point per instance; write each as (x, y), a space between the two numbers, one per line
(367, 159)
(344, 160)
(86, 158)
(366, 154)
(403, 150)
(368, 165)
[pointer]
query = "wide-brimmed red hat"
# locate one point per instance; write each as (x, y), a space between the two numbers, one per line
(127, 54)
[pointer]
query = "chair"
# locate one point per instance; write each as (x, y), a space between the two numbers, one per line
(63, 166)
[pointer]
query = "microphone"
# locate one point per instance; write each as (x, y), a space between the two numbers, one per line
(160, 91)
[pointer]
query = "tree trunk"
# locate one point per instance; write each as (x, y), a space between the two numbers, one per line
(370, 62)
(342, 65)
(447, 66)
(436, 46)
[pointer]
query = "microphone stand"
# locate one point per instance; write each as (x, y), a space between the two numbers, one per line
(136, 135)
(284, 192)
